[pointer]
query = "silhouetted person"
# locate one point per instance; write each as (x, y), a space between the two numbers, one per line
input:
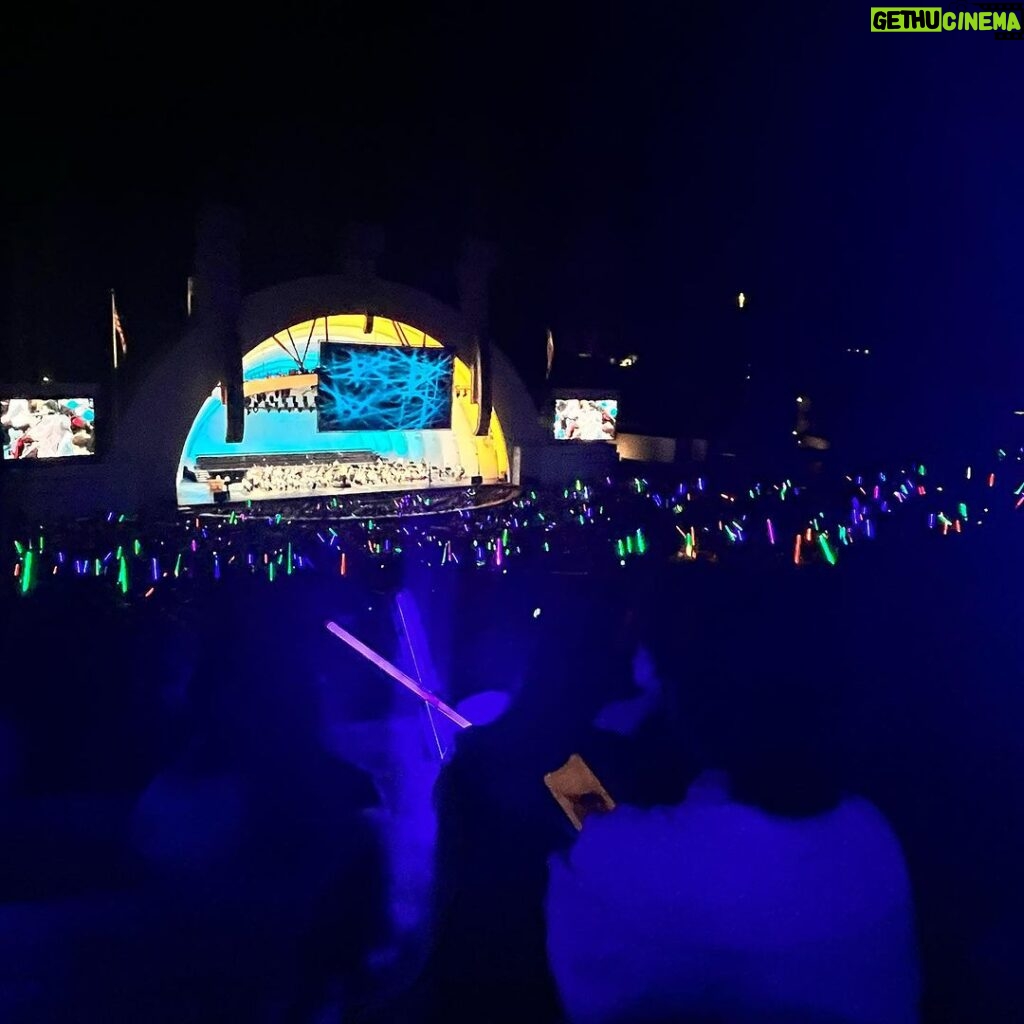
(766, 894)
(497, 824)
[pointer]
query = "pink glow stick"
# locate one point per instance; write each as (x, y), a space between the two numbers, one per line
(398, 675)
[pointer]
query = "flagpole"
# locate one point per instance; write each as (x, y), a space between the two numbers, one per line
(113, 326)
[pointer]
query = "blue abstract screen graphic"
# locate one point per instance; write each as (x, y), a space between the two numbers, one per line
(377, 387)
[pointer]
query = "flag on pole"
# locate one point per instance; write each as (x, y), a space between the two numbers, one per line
(117, 337)
(120, 332)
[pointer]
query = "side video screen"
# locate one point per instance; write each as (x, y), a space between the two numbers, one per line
(47, 428)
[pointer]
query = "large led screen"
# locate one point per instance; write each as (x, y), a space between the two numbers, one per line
(585, 419)
(384, 387)
(47, 428)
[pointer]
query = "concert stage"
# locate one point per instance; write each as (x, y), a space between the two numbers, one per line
(347, 394)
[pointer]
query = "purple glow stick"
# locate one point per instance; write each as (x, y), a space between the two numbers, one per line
(398, 675)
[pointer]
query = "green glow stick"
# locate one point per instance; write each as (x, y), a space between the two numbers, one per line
(829, 555)
(27, 567)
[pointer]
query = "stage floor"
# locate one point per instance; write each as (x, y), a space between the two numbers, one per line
(365, 503)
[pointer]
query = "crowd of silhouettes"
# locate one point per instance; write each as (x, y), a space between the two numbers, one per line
(816, 778)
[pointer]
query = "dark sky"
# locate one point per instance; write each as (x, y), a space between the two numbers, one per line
(637, 165)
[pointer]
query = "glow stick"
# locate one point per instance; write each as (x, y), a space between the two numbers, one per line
(828, 551)
(771, 532)
(398, 675)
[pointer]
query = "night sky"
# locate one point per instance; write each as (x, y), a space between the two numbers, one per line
(636, 166)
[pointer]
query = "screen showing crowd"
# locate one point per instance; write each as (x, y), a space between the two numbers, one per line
(367, 387)
(47, 428)
(585, 419)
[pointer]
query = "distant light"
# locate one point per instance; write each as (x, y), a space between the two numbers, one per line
(1019, 412)
(741, 300)
(536, 613)
(867, 351)
(799, 398)
(46, 380)
(794, 433)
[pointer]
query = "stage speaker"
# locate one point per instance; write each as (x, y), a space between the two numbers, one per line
(476, 481)
(235, 403)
